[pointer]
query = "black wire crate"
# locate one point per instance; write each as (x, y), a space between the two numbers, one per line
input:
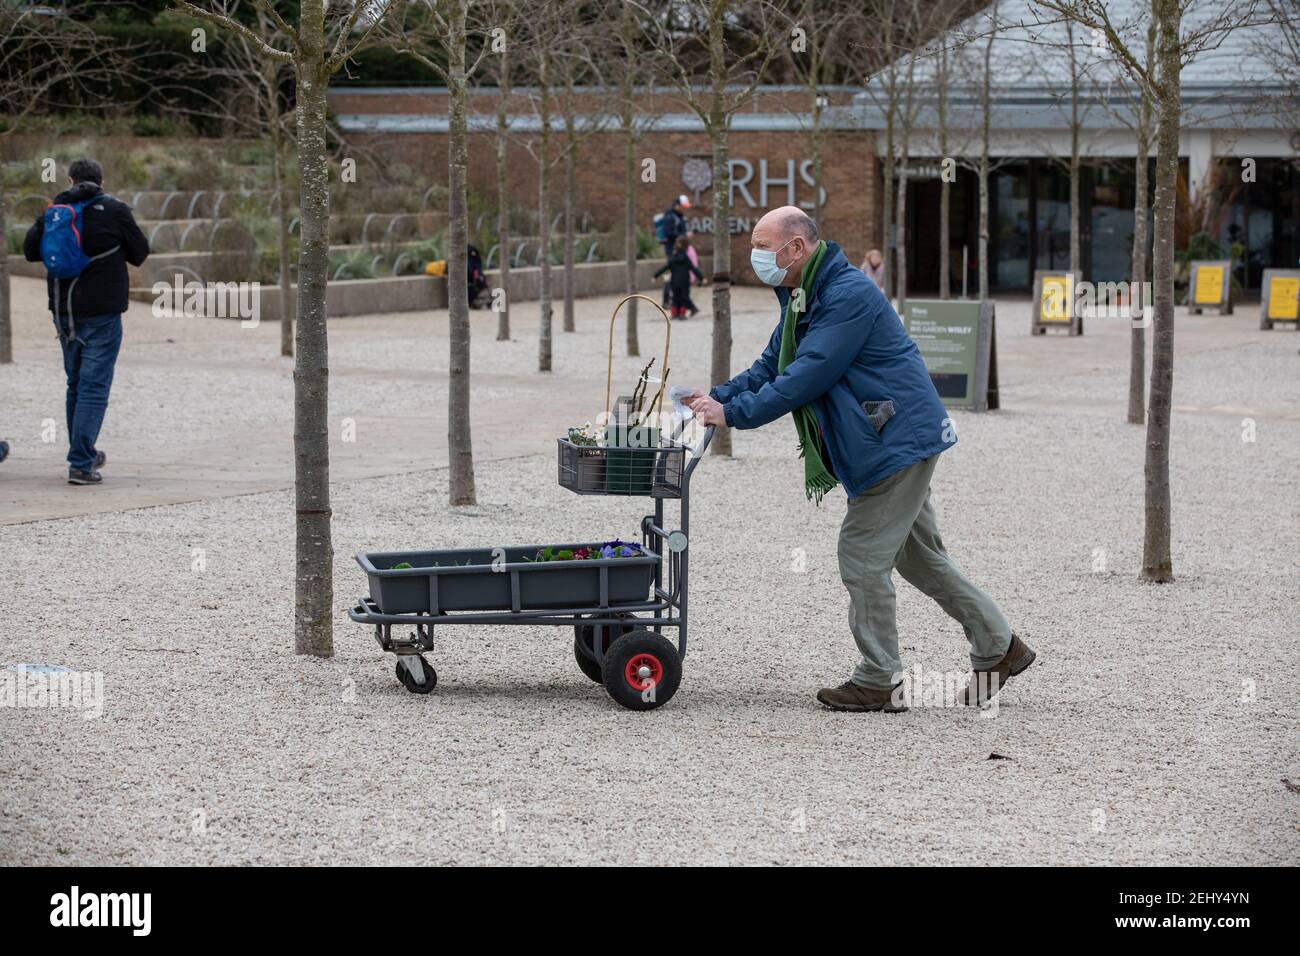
(616, 470)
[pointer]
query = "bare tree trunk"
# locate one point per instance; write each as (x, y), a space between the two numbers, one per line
(631, 184)
(945, 191)
(1076, 260)
(986, 102)
(544, 213)
(1157, 561)
(570, 189)
(816, 143)
(1138, 335)
(6, 324)
(909, 117)
(1074, 203)
(460, 446)
(282, 237)
(901, 232)
(314, 588)
(629, 226)
(984, 227)
(887, 238)
(503, 203)
(885, 29)
(718, 122)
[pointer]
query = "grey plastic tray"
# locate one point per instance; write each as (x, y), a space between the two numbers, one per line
(465, 580)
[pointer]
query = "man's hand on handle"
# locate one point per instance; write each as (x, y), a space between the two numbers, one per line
(706, 410)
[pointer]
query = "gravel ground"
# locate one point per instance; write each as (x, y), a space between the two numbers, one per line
(1155, 728)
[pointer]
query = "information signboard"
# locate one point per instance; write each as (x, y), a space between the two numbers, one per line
(1054, 302)
(1210, 286)
(1279, 297)
(958, 341)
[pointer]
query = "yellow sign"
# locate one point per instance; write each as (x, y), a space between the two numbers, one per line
(1057, 299)
(1283, 297)
(1209, 285)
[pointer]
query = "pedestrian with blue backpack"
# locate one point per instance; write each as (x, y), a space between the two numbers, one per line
(86, 238)
(670, 225)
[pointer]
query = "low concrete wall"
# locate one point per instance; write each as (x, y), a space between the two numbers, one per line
(344, 297)
(19, 266)
(596, 278)
(424, 293)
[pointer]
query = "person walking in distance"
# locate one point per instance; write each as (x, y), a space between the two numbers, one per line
(680, 267)
(670, 225)
(86, 238)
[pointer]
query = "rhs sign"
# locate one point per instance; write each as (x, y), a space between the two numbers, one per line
(754, 186)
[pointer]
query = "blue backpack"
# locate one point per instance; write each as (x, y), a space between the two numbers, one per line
(661, 227)
(61, 243)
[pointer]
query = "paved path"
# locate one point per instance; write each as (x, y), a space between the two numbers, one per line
(1156, 728)
(202, 408)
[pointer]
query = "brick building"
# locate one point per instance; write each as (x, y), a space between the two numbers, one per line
(1239, 110)
(769, 149)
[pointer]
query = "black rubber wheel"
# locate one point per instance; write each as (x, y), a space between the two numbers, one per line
(430, 678)
(586, 663)
(642, 670)
(583, 643)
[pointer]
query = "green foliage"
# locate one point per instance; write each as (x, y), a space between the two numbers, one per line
(416, 256)
(1200, 246)
(74, 123)
(646, 245)
(355, 264)
(164, 164)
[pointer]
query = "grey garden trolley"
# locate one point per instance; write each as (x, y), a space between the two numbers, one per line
(618, 608)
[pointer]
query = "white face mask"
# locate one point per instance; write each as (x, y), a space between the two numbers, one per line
(763, 262)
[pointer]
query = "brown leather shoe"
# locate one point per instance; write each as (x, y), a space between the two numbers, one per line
(854, 697)
(985, 684)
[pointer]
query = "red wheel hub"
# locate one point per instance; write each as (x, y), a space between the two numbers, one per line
(644, 671)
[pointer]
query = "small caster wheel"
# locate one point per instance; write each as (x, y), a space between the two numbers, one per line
(427, 682)
(583, 644)
(642, 670)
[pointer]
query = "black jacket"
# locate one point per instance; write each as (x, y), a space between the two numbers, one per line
(675, 225)
(102, 288)
(681, 266)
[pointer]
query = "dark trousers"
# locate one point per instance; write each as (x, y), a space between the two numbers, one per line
(88, 361)
(681, 298)
(668, 254)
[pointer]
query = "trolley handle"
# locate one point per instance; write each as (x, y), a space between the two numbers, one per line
(698, 452)
(680, 429)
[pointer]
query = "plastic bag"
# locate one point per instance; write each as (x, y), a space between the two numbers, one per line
(681, 412)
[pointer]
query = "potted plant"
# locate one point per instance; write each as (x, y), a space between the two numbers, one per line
(631, 438)
(588, 459)
(621, 455)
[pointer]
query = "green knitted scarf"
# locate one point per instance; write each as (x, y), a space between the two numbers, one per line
(817, 475)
